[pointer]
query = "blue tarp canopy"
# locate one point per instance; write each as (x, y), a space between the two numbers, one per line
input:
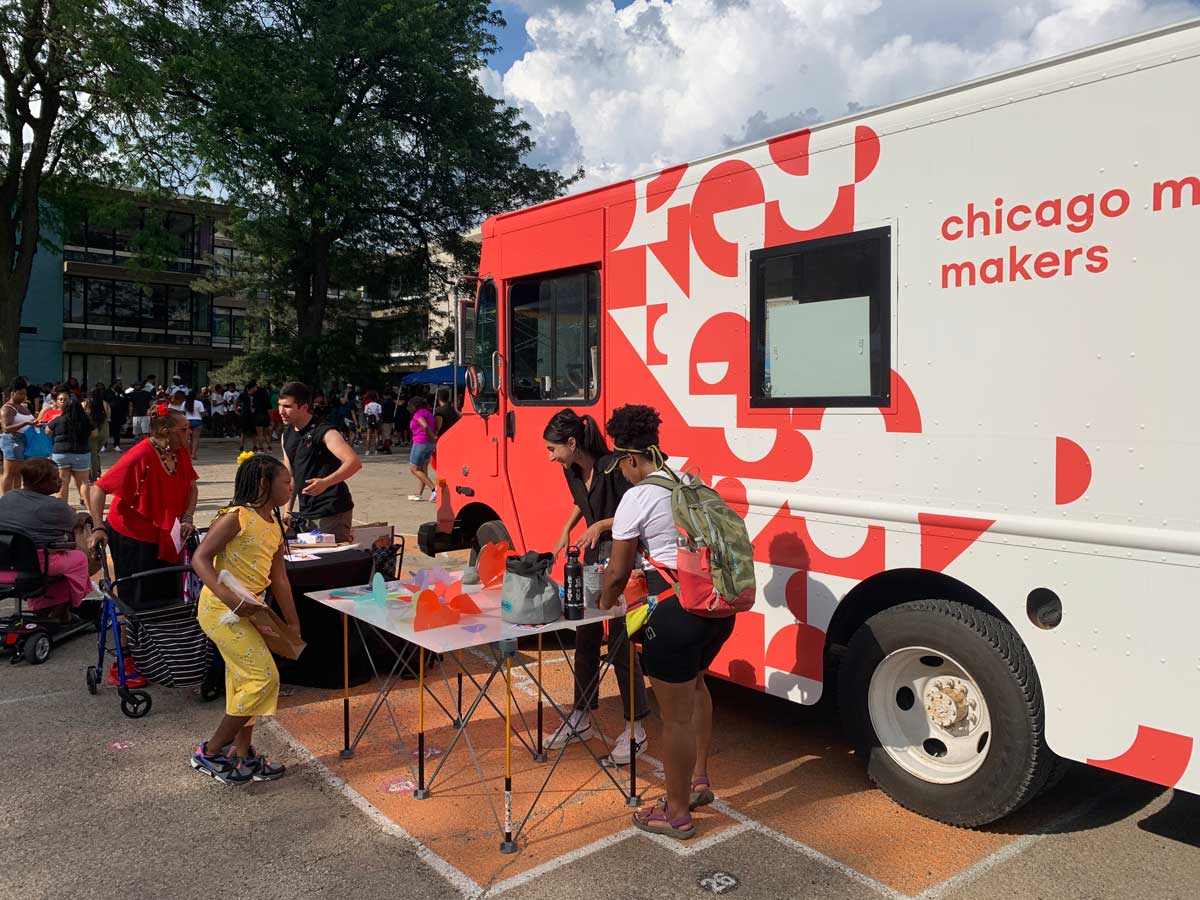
(439, 375)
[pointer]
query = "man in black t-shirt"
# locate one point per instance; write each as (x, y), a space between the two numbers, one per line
(320, 461)
(139, 409)
(445, 413)
(260, 400)
(245, 410)
(388, 423)
(118, 406)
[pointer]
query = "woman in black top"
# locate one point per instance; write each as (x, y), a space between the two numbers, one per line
(577, 444)
(100, 412)
(72, 453)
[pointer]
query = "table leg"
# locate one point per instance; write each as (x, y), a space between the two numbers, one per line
(346, 753)
(458, 721)
(508, 845)
(633, 799)
(420, 793)
(540, 754)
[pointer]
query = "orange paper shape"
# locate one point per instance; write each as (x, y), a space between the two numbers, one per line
(465, 605)
(432, 614)
(491, 562)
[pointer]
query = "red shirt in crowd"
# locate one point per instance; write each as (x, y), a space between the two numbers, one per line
(146, 501)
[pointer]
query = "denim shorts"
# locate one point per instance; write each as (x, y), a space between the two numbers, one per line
(76, 462)
(13, 446)
(421, 454)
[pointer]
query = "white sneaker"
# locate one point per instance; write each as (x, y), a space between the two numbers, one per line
(582, 722)
(620, 754)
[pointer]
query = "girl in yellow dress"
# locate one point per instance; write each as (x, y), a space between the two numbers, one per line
(246, 539)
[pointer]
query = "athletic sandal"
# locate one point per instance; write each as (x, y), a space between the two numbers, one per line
(415, 497)
(701, 796)
(653, 819)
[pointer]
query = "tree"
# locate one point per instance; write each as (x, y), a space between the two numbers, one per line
(68, 76)
(344, 134)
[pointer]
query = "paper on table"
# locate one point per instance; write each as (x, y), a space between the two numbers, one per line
(301, 556)
(316, 548)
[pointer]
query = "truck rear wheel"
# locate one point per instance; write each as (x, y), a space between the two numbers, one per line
(944, 704)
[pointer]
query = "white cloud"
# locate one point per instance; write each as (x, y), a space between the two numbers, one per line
(625, 92)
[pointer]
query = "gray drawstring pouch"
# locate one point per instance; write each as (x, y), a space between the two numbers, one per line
(529, 596)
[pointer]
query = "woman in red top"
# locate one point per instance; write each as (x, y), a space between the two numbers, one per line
(154, 489)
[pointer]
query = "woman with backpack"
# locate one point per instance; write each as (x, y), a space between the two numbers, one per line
(677, 645)
(576, 443)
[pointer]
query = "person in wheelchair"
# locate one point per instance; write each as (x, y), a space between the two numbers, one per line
(34, 510)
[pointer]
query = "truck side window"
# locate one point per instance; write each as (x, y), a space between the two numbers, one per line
(819, 322)
(554, 338)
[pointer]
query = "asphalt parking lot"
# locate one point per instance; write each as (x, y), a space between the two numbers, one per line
(95, 804)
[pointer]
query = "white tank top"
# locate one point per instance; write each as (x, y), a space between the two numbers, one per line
(19, 417)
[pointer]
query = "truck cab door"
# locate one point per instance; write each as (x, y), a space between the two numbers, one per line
(553, 362)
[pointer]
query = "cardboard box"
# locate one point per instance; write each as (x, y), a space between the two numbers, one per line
(275, 633)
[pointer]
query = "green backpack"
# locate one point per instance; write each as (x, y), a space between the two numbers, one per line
(715, 568)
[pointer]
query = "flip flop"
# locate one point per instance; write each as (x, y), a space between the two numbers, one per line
(653, 819)
(701, 796)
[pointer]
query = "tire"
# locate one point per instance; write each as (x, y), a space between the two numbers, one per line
(37, 648)
(954, 661)
(136, 704)
(1057, 770)
(93, 680)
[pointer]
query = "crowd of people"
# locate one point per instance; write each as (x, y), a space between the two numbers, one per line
(153, 493)
(85, 422)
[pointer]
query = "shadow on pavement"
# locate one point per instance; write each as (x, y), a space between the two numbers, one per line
(1178, 821)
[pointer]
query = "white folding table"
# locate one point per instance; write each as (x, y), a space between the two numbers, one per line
(487, 629)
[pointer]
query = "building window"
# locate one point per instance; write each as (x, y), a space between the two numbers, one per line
(98, 303)
(228, 327)
(181, 226)
(820, 322)
(554, 338)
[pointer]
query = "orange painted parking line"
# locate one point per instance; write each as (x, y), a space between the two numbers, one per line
(776, 768)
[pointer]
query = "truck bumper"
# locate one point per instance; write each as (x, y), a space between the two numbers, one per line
(432, 542)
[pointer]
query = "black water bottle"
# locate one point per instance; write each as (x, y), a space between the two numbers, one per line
(573, 586)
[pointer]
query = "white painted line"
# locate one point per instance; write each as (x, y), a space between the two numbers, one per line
(746, 823)
(692, 847)
(463, 883)
(850, 872)
(559, 861)
(1016, 848)
(35, 697)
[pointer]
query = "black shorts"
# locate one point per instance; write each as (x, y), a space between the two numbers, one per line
(262, 419)
(677, 645)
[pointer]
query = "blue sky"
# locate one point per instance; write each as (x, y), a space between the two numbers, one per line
(511, 37)
(628, 87)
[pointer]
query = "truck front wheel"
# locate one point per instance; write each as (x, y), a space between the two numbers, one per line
(943, 702)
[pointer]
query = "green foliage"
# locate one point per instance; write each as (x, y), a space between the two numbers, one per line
(71, 85)
(345, 135)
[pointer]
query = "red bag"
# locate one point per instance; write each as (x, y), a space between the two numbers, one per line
(697, 594)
